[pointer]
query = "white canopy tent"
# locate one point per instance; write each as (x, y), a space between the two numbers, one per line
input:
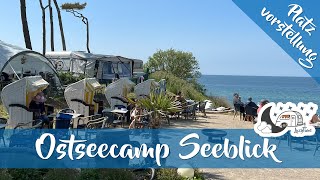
(17, 62)
(119, 89)
(103, 67)
(17, 96)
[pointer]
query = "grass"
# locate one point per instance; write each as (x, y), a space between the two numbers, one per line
(84, 174)
(219, 101)
(171, 174)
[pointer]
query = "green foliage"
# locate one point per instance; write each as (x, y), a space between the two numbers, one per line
(76, 6)
(158, 104)
(181, 64)
(219, 101)
(58, 174)
(4, 174)
(108, 174)
(67, 78)
(175, 84)
(33, 174)
(171, 174)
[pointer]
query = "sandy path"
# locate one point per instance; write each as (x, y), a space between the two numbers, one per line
(225, 121)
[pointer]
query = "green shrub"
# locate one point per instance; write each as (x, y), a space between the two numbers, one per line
(190, 89)
(107, 174)
(58, 174)
(33, 174)
(67, 78)
(171, 174)
(219, 101)
(175, 84)
(4, 174)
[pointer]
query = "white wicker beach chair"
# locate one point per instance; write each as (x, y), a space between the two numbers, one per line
(80, 96)
(118, 89)
(145, 88)
(16, 98)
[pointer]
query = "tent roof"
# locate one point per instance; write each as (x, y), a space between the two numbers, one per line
(11, 57)
(7, 51)
(89, 56)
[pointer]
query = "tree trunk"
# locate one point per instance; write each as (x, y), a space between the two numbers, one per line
(51, 26)
(63, 41)
(44, 43)
(25, 27)
(87, 23)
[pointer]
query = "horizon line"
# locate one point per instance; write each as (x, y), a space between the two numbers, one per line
(255, 75)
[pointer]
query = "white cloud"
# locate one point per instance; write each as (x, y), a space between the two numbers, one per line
(262, 126)
(267, 130)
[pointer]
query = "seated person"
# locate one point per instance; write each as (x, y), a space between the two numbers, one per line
(37, 106)
(181, 99)
(315, 119)
(252, 107)
(262, 103)
(135, 117)
(251, 103)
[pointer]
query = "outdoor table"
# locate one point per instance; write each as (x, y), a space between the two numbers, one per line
(214, 133)
(121, 113)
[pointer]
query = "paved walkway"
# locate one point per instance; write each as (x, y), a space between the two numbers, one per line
(225, 121)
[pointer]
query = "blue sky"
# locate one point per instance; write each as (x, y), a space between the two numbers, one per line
(223, 39)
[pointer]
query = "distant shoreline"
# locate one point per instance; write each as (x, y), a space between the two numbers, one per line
(255, 76)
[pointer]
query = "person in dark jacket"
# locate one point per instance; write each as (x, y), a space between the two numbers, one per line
(38, 107)
(251, 107)
(251, 103)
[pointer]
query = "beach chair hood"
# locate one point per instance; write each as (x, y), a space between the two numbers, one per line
(84, 90)
(118, 89)
(22, 91)
(145, 88)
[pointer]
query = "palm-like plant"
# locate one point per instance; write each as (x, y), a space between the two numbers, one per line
(158, 105)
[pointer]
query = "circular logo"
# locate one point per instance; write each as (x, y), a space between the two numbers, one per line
(59, 65)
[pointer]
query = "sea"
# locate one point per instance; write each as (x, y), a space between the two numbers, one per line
(272, 88)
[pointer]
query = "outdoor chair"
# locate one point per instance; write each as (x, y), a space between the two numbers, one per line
(202, 108)
(250, 113)
(99, 123)
(82, 122)
(177, 104)
(25, 131)
(190, 111)
(113, 119)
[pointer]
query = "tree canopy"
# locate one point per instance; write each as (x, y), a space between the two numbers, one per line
(76, 6)
(182, 64)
